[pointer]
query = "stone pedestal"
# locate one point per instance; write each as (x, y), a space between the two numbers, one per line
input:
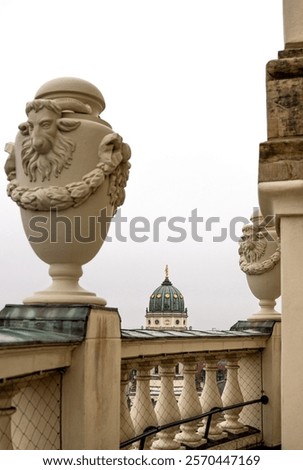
(91, 386)
(292, 344)
(271, 363)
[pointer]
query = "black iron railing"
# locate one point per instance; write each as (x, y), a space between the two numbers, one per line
(151, 430)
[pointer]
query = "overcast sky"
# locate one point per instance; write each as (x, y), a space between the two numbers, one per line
(184, 85)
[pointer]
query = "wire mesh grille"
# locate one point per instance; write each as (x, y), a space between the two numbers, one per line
(127, 430)
(250, 379)
(36, 422)
(142, 410)
(161, 396)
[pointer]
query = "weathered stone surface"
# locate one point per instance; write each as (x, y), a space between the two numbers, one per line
(281, 160)
(284, 68)
(291, 52)
(285, 97)
(281, 157)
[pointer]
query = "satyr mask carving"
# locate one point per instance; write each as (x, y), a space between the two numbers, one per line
(47, 150)
(252, 251)
(253, 244)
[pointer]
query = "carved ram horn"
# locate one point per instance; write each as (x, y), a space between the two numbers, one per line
(71, 104)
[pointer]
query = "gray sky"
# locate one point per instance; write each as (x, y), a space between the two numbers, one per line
(184, 84)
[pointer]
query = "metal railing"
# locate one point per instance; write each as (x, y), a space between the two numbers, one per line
(152, 430)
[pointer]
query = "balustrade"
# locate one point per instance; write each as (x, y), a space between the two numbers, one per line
(169, 407)
(153, 395)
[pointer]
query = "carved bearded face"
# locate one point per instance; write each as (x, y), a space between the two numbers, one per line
(47, 150)
(42, 127)
(253, 244)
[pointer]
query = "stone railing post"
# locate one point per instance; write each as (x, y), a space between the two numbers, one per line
(142, 411)
(271, 376)
(231, 395)
(210, 398)
(189, 405)
(91, 386)
(166, 408)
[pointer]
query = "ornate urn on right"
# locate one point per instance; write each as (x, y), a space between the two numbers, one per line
(260, 260)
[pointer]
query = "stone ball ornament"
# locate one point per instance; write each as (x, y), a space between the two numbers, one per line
(67, 171)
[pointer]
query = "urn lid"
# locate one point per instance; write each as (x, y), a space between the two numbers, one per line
(71, 87)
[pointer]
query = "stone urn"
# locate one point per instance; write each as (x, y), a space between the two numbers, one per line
(67, 170)
(259, 252)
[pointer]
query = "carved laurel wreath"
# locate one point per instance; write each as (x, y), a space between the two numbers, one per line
(113, 156)
(259, 267)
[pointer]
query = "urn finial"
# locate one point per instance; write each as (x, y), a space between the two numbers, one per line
(67, 171)
(259, 252)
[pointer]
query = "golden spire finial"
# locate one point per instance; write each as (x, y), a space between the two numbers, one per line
(166, 271)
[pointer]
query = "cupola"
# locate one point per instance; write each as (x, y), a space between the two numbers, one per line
(166, 308)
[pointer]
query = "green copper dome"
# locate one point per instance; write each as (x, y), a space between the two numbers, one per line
(166, 298)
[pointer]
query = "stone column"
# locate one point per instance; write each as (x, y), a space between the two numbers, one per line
(293, 23)
(292, 342)
(91, 386)
(281, 194)
(286, 198)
